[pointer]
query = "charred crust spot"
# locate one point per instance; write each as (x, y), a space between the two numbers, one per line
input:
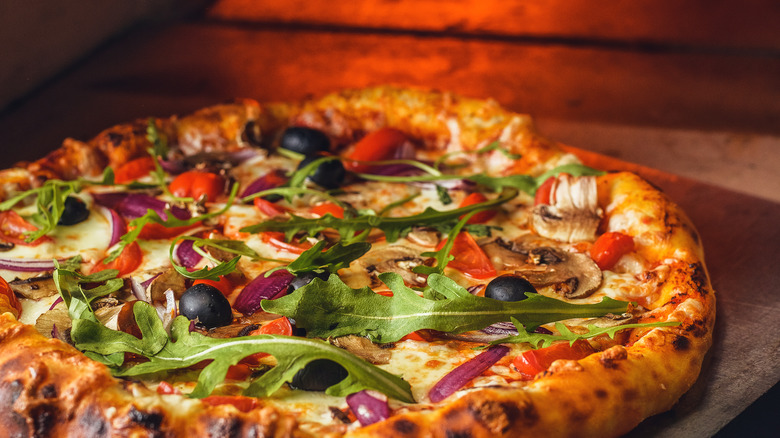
(458, 434)
(246, 330)
(404, 426)
(224, 428)
(92, 424)
(339, 415)
(43, 417)
(601, 394)
(681, 343)
(496, 417)
(698, 277)
(696, 328)
(148, 420)
(629, 395)
(49, 391)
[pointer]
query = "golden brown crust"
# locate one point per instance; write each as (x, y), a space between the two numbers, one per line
(606, 394)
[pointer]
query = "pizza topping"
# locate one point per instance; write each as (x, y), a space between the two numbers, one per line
(305, 141)
(206, 305)
(74, 211)
(609, 248)
(16, 230)
(35, 288)
(8, 299)
(573, 214)
(198, 185)
(269, 180)
(133, 170)
(363, 348)
(263, 287)
(469, 257)
(30, 265)
(318, 375)
(533, 362)
(332, 308)
(509, 288)
(369, 407)
(324, 171)
(571, 275)
(382, 144)
(466, 372)
(117, 225)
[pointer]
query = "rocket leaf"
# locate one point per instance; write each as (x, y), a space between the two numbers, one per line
(184, 349)
(332, 308)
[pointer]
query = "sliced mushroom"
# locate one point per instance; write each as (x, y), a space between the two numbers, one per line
(57, 316)
(574, 214)
(363, 348)
(423, 236)
(109, 315)
(393, 258)
(571, 275)
(34, 288)
(169, 279)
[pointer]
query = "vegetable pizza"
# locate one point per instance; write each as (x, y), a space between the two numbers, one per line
(375, 262)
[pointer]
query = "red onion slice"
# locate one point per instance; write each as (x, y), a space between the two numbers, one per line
(187, 255)
(262, 288)
(270, 180)
(466, 372)
(136, 204)
(369, 406)
(27, 265)
(501, 328)
(54, 304)
(109, 199)
(118, 226)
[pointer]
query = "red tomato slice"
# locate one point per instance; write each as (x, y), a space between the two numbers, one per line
(279, 326)
(376, 146)
(243, 404)
(268, 208)
(533, 362)
(482, 216)
(154, 230)
(276, 239)
(328, 207)
(609, 248)
(133, 169)
(197, 184)
(128, 261)
(238, 372)
(224, 284)
(13, 228)
(7, 295)
(469, 257)
(414, 336)
(544, 193)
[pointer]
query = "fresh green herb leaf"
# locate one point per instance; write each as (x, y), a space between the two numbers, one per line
(332, 308)
(50, 203)
(299, 176)
(336, 257)
(69, 283)
(443, 256)
(184, 349)
(545, 340)
(389, 207)
(221, 268)
(444, 195)
(393, 227)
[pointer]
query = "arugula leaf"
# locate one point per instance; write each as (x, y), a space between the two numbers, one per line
(444, 196)
(220, 268)
(50, 203)
(393, 227)
(185, 348)
(535, 339)
(336, 257)
(69, 283)
(527, 183)
(443, 256)
(332, 308)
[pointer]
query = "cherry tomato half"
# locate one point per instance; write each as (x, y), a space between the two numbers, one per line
(268, 208)
(13, 228)
(609, 248)
(128, 261)
(153, 230)
(328, 207)
(482, 216)
(133, 169)
(197, 184)
(469, 257)
(544, 194)
(277, 240)
(533, 362)
(376, 146)
(223, 285)
(279, 326)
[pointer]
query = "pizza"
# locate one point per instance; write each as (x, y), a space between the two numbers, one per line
(375, 262)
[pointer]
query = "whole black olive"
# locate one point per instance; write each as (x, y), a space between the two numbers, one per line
(318, 375)
(206, 304)
(509, 288)
(306, 141)
(329, 174)
(306, 278)
(74, 211)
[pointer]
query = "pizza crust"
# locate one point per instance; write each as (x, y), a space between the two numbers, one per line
(48, 388)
